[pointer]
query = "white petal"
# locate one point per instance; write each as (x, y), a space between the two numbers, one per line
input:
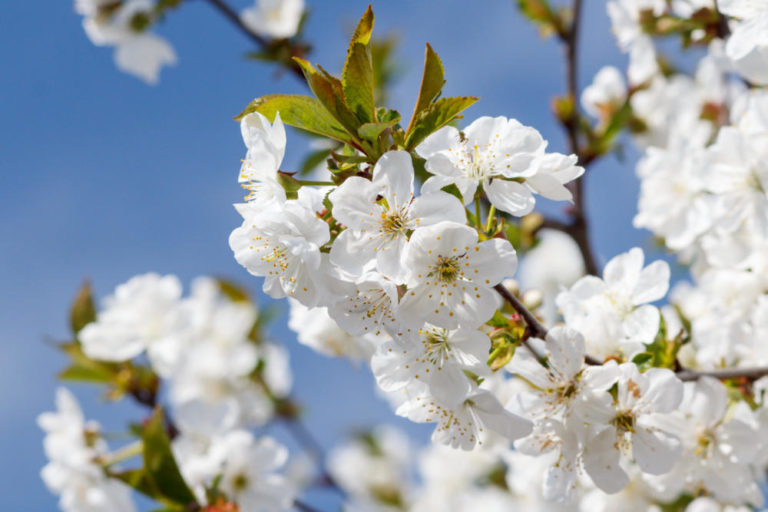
(601, 461)
(510, 196)
(654, 451)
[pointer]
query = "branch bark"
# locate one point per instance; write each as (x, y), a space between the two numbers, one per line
(578, 229)
(234, 17)
(538, 330)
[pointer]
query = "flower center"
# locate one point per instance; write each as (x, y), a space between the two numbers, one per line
(476, 162)
(624, 422)
(447, 269)
(393, 223)
(240, 482)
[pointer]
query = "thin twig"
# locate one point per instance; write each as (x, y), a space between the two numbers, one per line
(578, 228)
(260, 41)
(724, 374)
(537, 329)
(307, 441)
(300, 505)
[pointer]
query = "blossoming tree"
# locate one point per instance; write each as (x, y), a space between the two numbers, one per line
(590, 390)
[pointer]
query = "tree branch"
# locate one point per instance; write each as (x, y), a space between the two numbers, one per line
(538, 330)
(307, 441)
(724, 374)
(234, 17)
(300, 505)
(578, 229)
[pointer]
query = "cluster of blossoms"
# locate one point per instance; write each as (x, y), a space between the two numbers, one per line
(405, 282)
(704, 181)
(403, 275)
(400, 257)
(126, 24)
(222, 382)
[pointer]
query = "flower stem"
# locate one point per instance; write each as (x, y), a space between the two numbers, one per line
(491, 216)
(126, 452)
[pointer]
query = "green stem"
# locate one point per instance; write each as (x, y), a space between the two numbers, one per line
(316, 183)
(126, 452)
(478, 222)
(489, 221)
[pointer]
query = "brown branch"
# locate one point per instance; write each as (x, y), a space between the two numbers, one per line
(578, 229)
(312, 447)
(538, 330)
(724, 374)
(234, 18)
(300, 505)
(536, 327)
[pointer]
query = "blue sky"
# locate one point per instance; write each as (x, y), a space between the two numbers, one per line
(102, 176)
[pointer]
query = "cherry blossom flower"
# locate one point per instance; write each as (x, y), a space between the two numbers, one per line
(266, 148)
(378, 230)
(281, 242)
(274, 18)
(503, 157)
(435, 357)
(630, 422)
(467, 424)
(143, 314)
(452, 276)
(612, 313)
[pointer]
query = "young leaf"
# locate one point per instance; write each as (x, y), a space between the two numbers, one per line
(330, 93)
(159, 464)
(371, 131)
(313, 159)
(357, 82)
(357, 76)
(432, 82)
(85, 369)
(82, 311)
(87, 373)
(364, 28)
(301, 112)
(437, 115)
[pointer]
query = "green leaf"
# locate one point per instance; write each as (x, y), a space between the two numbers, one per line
(87, 373)
(498, 320)
(643, 360)
(357, 76)
(364, 28)
(371, 131)
(159, 464)
(439, 114)
(386, 67)
(329, 92)
(313, 159)
(357, 82)
(137, 479)
(83, 310)
(432, 82)
(85, 369)
(299, 111)
(233, 291)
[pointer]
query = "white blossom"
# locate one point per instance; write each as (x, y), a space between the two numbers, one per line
(629, 422)
(613, 313)
(281, 242)
(503, 157)
(138, 52)
(274, 18)
(266, 148)
(467, 424)
(378, 230)
(142, 314)
(452, 276)
(73, 447)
